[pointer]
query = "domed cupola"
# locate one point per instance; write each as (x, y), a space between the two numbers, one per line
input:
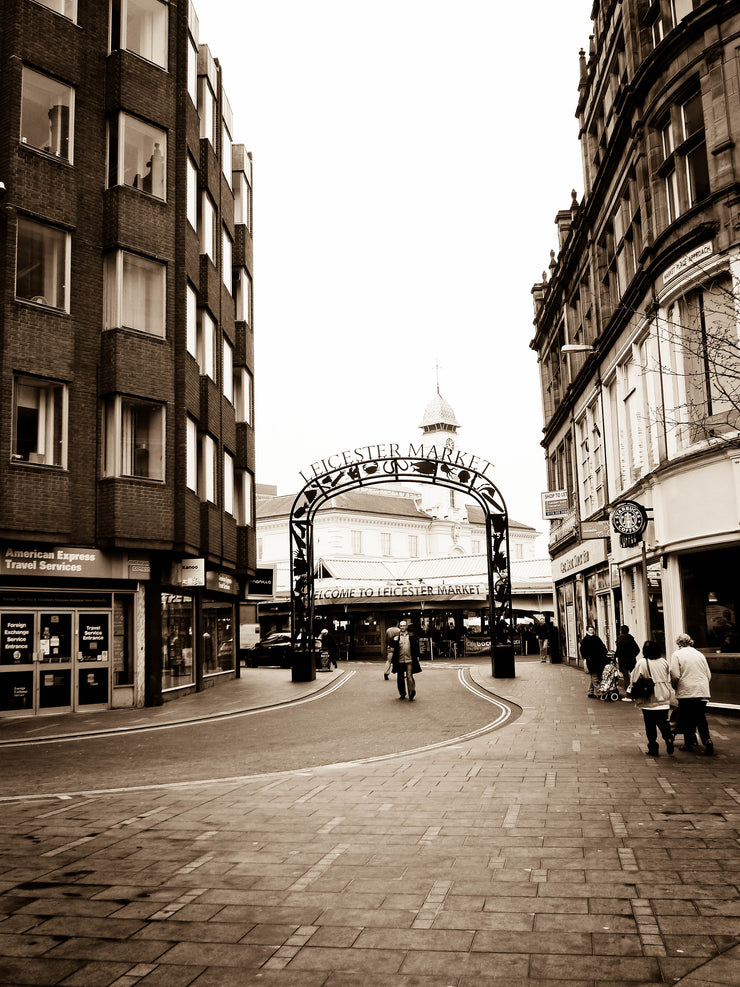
(439, 416)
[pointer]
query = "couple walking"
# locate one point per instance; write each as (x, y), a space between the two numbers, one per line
(403, 659)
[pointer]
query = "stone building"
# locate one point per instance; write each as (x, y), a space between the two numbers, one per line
(636, 334)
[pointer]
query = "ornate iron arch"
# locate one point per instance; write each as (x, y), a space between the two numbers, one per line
(370, 471)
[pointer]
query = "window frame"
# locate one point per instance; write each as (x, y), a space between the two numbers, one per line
(227, 370)
(119, 146)
(116, 455)
(119, 25)
(115, 304)
(191, 193)
(208, 333)
(244, 395)
(63, 238)
(55, 451)
(70, 106)
(191, 454)
(50, 5)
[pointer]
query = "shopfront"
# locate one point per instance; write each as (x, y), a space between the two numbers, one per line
(583, 590)
(199, 628)
(67, 629)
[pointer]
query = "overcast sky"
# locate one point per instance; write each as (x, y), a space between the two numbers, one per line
(409, 159)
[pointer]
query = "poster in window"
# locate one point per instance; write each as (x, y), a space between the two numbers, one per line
(93, 637)
(16, 638)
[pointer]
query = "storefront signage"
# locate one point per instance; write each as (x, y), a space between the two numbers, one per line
(394, 451)
(387, 590)
(629, 520)
(594, 529)
(190, 572)
(555, 504)
(67, 562)
(16, 638)
(221, 582)
(688, 260)
(262, 583)
(580, 558)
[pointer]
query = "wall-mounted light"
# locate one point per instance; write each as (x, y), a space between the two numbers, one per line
(712, 598)
(576, 348)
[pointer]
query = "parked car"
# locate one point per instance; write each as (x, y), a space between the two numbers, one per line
(275, 649)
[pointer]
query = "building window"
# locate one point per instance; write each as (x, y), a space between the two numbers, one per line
(208, 227)
(243, 195)
(589, 444)
(228, 371)
(39, 421)
(226, 264)
(226, 152)
(133, 435)
(192, 70)
(243, 395)
(191, 441)
(413, 546)
(551, 373)
(192, 321)
(47, 114)
(244, 495)
(357, 543)
(385, 540)
(137, 155)
(135, 293)
(475, 546)
(140, 26)
(627, 234)
(684, 171)
(192, 193)
(207, 480)
(67, 8)
(243, 296)
(207, 345)
(229, 490)
(207, 111)
(42, 264)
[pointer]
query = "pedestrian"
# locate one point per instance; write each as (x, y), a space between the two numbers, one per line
(389, 635)
(626, 653)
(405, 660)
(655, 706)
(329, 646)
(690, 675)
(544, 639)
(594, 654)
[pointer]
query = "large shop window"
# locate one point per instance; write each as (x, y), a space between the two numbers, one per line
(140, 26)
(137, 155)
(177, 641)
(42, 264)
(135, 289)
(47, 114)
(133, 432)
(218, 637)
(39, 421)
(711, 597)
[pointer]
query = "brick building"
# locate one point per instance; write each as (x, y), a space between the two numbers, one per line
(636, 332)
(126, 358)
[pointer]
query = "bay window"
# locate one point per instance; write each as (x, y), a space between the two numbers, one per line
(243, 296)
(207, 345)
(42, 264)
(207, 479)
(47, 114)
(39, 421)
(192, 70)
(134, 290)
(243, 495)
(208, 227)
(226, 152)
(207, 110)
(140, 26)
(133, 438)
(226, 264)
(192, 193)
(229, 489)
(192, 321)
(191, 445)
(67, 8)
(137, 155)
(243, 395)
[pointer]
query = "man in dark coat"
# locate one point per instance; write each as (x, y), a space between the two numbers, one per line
(626, 653)
(594, 654)
(405, 660)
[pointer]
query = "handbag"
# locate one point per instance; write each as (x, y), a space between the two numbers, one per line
(644, 687)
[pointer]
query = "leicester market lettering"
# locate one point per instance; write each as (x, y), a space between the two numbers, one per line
(392, 451)
(359, 592)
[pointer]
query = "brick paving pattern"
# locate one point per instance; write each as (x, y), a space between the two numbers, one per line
(550, 851)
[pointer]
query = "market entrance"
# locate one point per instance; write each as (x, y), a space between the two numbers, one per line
(390, 463)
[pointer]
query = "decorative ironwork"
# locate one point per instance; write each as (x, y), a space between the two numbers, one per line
(394, 469)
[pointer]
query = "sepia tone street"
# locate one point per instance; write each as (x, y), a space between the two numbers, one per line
(325, 833)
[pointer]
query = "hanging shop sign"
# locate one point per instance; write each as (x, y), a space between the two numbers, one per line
(262, 583)
(555, 504)
(594, 529)
(629, 520)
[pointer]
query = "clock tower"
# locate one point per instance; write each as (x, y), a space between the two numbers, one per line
(439, 428)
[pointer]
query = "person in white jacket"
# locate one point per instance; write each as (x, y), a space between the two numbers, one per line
(690, 676)
(656, 707)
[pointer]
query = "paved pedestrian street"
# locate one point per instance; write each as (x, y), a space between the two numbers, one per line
(549, 851)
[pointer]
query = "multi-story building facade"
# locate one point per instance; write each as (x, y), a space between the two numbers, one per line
(636, 332)
(126, 358)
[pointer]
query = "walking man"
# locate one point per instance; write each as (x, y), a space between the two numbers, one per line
(405, 660)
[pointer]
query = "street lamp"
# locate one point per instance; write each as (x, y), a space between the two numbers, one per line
(577, 348)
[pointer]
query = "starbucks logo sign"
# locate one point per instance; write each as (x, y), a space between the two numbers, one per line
(629, 520)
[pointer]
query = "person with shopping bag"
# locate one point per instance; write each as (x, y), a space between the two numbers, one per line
(650, 688)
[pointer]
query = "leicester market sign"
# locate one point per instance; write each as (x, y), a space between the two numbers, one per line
(392, 456)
